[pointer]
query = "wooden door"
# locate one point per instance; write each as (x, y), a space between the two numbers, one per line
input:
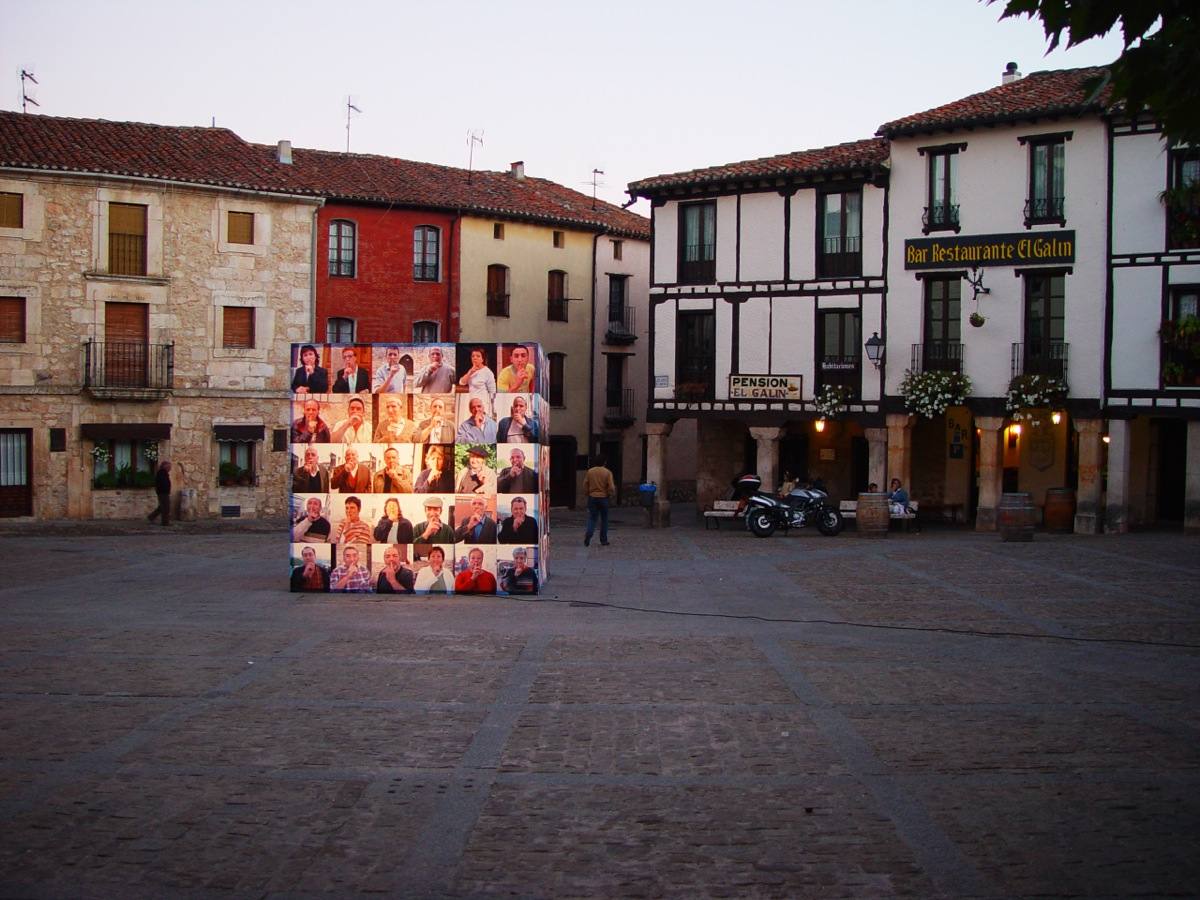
(16, 472)
(126, 344)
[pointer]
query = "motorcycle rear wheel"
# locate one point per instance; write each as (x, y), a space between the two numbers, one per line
(760, 524)
(829, 522)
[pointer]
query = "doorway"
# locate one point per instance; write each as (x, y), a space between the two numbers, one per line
(16, 472)
(1172, 468)
(562, 471)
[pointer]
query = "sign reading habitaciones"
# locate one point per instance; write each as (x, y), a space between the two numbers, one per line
(990, 250)
(764, 387)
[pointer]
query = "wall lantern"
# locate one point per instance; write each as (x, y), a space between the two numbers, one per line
(1056, 417)
(819, 425)
(1014, 429)
(1106, 439)
(874, 347)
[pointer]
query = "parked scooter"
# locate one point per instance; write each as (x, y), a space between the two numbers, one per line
(803, 506)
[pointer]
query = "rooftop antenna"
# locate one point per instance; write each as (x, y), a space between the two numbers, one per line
(25, 98)
(350, 107)
(473, 138)
(595, 172)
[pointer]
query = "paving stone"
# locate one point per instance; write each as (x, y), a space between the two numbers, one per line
(650, 683)
(351, 679)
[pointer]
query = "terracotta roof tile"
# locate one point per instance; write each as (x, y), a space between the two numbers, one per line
(857, 155)
(218, 157)
(1037, 95)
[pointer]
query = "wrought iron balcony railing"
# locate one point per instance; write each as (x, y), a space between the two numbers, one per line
(128, 367)
(940, 216)
(621, 324)
(618, 407)
(840, 257)
(1040, 358)
(937, 356)
(1044, 209)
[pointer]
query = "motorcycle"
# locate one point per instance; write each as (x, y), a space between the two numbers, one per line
(803, 506)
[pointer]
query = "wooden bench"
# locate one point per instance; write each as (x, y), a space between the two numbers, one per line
(722, 509)
(849, 510)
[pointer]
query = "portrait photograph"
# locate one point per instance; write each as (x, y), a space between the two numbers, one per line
(475, 518)
(476, 367)
(518, 518)
(394, 421)
(353, 467)
(519, 422)
(435, 570)
(433, 465)
(391, 570)
(390, 523)
(393, 369)
(309, 518)
(475, 468)
(475, 423)
(352, 518)
(516, 468)
(350, 368)
(397, 468)
(435, 418)
(434, 369)
(311, 418)
(310, 567)
(432, 517)
(517, 569)
(475, 569)
(310, 369)
(351, 571)
(518, 369)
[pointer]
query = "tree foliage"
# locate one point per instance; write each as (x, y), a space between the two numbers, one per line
(1159, 69)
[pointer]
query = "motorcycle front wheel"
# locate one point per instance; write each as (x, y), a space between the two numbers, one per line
(829, 522)
(760, 524)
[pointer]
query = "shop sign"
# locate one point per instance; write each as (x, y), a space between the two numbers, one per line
(1023, 248)
(764, 387)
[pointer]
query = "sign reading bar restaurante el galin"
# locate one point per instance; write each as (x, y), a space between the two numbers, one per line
(972, 250)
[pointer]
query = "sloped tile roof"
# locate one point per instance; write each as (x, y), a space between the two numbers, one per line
(1038, 95)
(867, 155)
(218, 157)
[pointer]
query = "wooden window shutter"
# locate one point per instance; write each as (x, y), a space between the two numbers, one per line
(239, 326)
(12, 214)
(127, 218)
(241, 228)
(12, 319)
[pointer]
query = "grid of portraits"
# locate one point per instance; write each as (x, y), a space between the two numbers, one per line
(419, 468)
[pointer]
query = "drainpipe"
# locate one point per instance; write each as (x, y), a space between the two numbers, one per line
(312, 269)
(454, 226)
(592, 351)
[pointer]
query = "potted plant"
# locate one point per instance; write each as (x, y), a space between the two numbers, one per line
(125, 476)
(228, 473)
(976, 320)
(831, 400)
(1031, 397)
(105, 481)
(929, 393)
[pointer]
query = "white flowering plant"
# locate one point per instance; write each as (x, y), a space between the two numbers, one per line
(831, 400)
(100, 455)
(930, 393)
(1030, 397)
(150, 451)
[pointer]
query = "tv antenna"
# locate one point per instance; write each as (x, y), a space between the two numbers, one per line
(473, 138)
(350, 107)
(595, 183)
(26, 75)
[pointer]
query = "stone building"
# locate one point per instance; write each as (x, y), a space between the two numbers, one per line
(152, 279)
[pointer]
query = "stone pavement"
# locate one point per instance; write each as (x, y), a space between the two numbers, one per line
(685, 713)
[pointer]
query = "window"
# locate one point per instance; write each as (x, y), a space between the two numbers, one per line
(426, 239)
(618, 286)
(12, 320)
(425, 332)
(123, 463)
(238, 327)
(498, 231)
(12, 210)
(557, 363)
(236, 462)
(497, 290)
(695, 355)
(618, 248)
(942, 212)
(126, 239)
(1183, 199)
(697, 243)
(942, 350)
(1045, 352)
(559, 240)
(241, 228)
(339, 330)
(556, 296)
(839, 349)
(614, 380)
(840, 230)
(1047, 160)
(342, 249)
(1181, 337)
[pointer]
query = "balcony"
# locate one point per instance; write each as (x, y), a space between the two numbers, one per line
(126, 254)
(841, 257)
(621, 325)
(128, 370)
(840, 371)
(618, 408)
(940, 217)
(937, 356)
(497, 305)
(1042, 358)
(1042, 210)
(698, 264)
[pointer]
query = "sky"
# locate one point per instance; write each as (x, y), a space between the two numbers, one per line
(634, 89)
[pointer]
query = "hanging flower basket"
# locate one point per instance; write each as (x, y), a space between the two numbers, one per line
(150, 451)
(100, 455)
(930, 393)
(1031, 397)
(831, 400)
(976, 320)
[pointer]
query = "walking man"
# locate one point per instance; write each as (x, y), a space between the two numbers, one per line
(599, 486)
(162, 489)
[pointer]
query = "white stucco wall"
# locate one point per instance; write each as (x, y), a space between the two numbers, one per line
(762, 237)
(1139, 176)
(754, 323)
(802, 236)
(1136, 318)
(665, 237)
(727, 235)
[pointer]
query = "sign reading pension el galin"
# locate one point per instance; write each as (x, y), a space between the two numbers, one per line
(764, 387)
(1023, 248)
(419, 468)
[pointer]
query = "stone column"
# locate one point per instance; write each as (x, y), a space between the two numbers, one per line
(899, 452)
(1191, 490)
(656, 471)
(1088, 496)
(877, 456)
(991, 470)
(767, 461)
(1116, 508)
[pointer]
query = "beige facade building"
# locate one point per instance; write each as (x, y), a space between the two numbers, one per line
(151, 281)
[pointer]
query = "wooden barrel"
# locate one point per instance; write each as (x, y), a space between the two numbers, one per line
(1015, 516)
(872, 515)
(1059, 512)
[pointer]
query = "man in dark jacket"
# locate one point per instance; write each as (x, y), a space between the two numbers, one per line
(162, 488)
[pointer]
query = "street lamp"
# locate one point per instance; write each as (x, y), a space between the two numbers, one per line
(875, 349)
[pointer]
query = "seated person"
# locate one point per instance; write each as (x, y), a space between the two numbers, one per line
(350, 476)
(480, 528)
(309, 377)
(438, 475)
(519, 528)
(393, 528)
(356, 427)
(311, 527)
(310, 478)
(477, 478)
(395, 577)
(395, 478)
(517, 478)
(475, 579)
(477, 427)
(310, 428)
(898, 499)
(310, 576)
(393, 427)
(518, 427)
(433, 530)
(350, 576)
(432, 577)
(520, 579)
(352, 529)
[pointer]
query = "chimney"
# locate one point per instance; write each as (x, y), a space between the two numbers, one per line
(1010, 74)
(283, 153)
(518, 170)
